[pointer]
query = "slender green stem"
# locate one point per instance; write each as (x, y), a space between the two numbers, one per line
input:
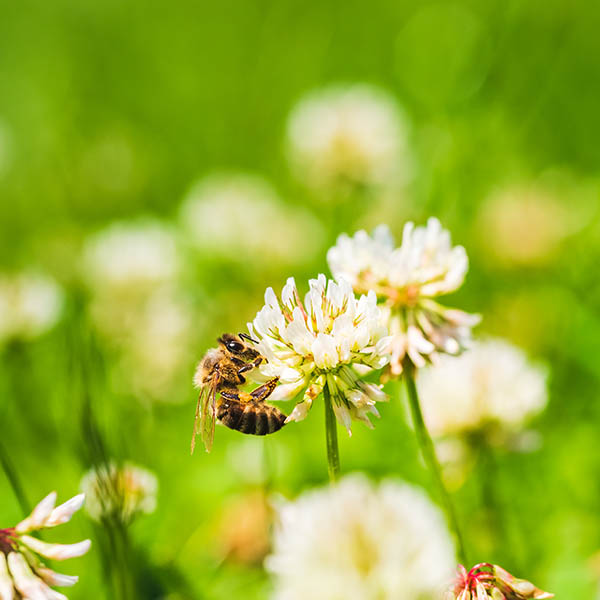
(333, 453)
(13, 478)
(431, 460)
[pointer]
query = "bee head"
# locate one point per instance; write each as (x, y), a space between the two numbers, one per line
(238, 345)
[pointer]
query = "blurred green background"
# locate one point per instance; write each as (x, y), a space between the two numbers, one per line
(110, 111)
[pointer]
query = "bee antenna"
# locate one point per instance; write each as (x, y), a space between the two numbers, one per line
(245, 336)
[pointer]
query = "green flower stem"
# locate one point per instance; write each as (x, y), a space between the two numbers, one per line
(431, 460)
(333, 453)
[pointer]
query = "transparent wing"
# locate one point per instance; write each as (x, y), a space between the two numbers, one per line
(209, 417)
(204, 419)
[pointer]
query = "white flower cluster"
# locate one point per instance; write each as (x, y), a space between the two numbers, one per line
(132, 271)
(316, 342)
(119, 491)
(347, 134)
(406, 280)
(492, 384)
(357, 541)
(22, 572)
(30, 305)
(238, 216)
(524, 225)
(131, 257)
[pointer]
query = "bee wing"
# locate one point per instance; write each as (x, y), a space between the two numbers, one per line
(204, 419)
(209, 417)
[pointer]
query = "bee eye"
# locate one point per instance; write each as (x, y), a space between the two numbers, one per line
(235, 346)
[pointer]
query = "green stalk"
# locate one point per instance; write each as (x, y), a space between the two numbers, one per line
(333, 453)
(432, 462)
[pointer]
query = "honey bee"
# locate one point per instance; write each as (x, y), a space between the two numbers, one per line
(220, 373)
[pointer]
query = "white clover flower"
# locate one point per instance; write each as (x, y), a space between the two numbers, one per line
(119, 491)
(493, 383)
(348, 134)
(310, 344)
(132, 271)
(155, 341)
(524, 225)
(22, 571)
(131, 256)
(358, 541)
(237, 215)
(406, 280)
(30, 305)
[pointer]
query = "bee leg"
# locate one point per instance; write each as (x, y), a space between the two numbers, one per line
(231, 394)
(264, 391)
(249, 366)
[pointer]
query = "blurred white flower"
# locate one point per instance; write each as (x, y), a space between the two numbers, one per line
(30, 305)
(157, 343)
(119, 491)
(319, 341)
(132, 271)
(493, 383)
(525, 225)
(405, 280)
(131, 256)
(357, 541)
(22, 571)
(348, 134)
(240, 216)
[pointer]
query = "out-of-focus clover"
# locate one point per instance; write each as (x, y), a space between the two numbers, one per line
(485, 581)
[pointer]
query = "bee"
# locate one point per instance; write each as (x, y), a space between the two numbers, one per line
(220, 373)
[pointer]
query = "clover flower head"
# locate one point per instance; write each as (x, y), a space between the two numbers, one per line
(22, 571)
(30, 305)
(120, 492)
(486, 581)
(233, 215)
(131, 257)
(406, 280)
(347, 134)
(322, 340)
(524, 225)
(360, 541)
(493, 384)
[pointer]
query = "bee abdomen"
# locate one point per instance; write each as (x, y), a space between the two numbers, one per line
(251, 418)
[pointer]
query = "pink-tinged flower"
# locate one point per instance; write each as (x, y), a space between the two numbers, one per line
(406, 280)
(23, 575)
(485, 581)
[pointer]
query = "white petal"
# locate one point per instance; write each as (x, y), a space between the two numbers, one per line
(7, 591)
(37, 519)
(63, 513)
(288, 293)
(57, 579)
(29, 585)
(325, 352)
(343, 416)
(287, 391)
(300, 411)
(56, 551)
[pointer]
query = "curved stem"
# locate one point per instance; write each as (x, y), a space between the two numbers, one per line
(431, 460)
(333, 453)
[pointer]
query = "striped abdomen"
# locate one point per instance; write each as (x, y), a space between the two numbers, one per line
(252, 418)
